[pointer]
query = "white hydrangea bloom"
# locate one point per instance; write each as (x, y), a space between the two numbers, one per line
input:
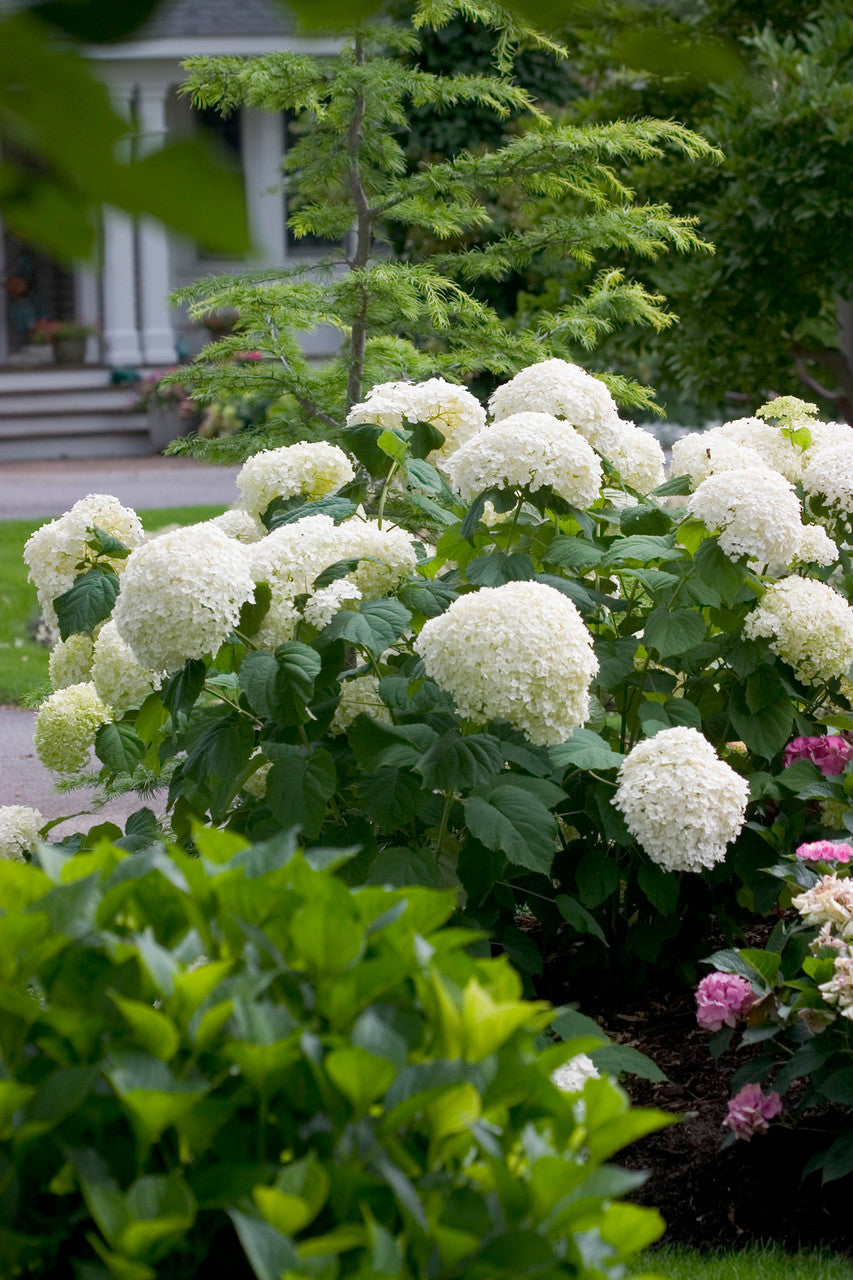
(239, 524)
(527, 450)
(19, 831)
(519, 652)
(181, 594)
(309, 469)
(325, 603)
(829, 477)
(452, 409)
(116, 674)
(679, 800)
(809, 626)
(838, 990)
(66, 724)
(776, 450)
(361, 694)
(386, 556)
(816, 546)
(829, 902)
(562, 389)
(703, 453)
(70, 661)
(828, 435)
(288, 560)
(756, 510)
(573, 1075)
(54, 551)
(637, 456)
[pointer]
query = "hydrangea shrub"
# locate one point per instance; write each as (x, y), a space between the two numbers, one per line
(500, 653)
(229, 1063)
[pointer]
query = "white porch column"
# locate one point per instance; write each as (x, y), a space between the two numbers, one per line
(262, 138)
(86, 306)
(158, 339)
(121, 335)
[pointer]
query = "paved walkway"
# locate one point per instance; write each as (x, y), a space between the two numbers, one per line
(49, 488)
(31, 489)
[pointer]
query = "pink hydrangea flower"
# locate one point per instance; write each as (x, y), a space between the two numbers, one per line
(830, 752)
(825, 851)
(750, 1111)
(722, 999)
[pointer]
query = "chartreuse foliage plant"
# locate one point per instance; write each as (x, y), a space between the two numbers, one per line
(565, 692)
(349, 184)
(228, 1063)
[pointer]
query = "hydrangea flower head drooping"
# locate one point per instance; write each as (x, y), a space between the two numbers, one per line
(452, 409)
(838, 990)
(562, 389)
(54, 551)
(680, 801)
(722, 999)
(529, 450)
(70, 661)
(571, 1076)
(19, 831)
(66, 725)
(308, 469)
(520, 652)
(750, 1111)
(809, 625)
(829, 902)
(181, 594)
(119, 679)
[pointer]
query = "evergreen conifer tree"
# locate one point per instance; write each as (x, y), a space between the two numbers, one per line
(348, 183)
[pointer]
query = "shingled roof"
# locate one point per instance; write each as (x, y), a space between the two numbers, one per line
(180, 18)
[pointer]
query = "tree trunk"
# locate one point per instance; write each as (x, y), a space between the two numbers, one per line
(363, 243)
(838, 360)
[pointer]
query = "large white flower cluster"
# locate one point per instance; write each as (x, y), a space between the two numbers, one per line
(70, 661)
(758, 514)
(19, 831)
(829, 477)
(562, 389)
(704, 453)
(66, 725)
(519, 652)
(809, 625)
(309, 469)
(359, 695)
(386, 555)
(181, 594)
(451, 409)
(636, 455)
(116, 674)
(322, 606)
(528, 451)
(239, 524)
(54, 551)
(679, 800)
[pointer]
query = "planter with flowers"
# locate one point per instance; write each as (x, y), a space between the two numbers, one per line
(67, 337)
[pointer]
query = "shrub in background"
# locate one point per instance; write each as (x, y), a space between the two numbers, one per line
(231, 1064)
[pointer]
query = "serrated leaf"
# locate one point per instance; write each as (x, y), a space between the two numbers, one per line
(278, 687)
(571, 553)
(675, 487)
(672, 632)
(425, 438)
(375, 625)
(764, 732)
(617, 1059)
(118, 747)
(585, 750)
(333, 572)
(283, 511)
(457, 762)
(299, 786)
(181, 691)
(428, 598)
(641, 547)
(498, 568)
(499, 499)
(597, 878)
(514, 823)
(578, 917)
(89, 601)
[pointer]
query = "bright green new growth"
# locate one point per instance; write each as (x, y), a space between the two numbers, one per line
(348, 181)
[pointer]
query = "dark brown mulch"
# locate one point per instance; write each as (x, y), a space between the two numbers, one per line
(752, 1191)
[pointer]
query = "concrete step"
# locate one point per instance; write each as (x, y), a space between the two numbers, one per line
(53, 448)
(49, 378)
(65, 401)
(71, 424)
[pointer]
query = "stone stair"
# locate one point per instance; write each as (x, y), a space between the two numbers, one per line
(68, 413)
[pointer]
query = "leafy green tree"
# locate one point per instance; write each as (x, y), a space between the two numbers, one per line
(350, 184)
(777, 296)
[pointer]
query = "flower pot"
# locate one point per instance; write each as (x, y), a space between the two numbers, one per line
(69, 350)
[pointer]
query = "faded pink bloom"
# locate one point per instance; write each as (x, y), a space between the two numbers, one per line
(830, 752)
(751, 1110)
(825, 851)
(722, 999)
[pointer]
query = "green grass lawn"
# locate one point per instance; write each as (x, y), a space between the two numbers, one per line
(23, 664)
(754, 1263)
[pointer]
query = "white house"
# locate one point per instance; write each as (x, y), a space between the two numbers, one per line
(139, 261)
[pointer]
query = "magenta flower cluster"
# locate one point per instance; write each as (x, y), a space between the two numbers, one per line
(825, 851)
(830, 752)
(750, 1111)
(722, 999)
